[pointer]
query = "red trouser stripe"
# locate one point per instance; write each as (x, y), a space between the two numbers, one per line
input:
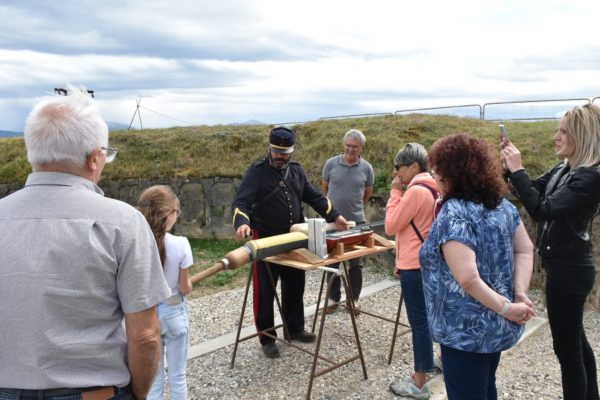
(255, 286)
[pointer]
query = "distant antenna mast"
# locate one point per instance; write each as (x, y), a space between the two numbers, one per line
(137, 111)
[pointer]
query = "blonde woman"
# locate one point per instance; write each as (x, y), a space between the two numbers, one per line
(564, 202)
(161, 208)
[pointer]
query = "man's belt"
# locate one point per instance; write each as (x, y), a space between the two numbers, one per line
(91, 393)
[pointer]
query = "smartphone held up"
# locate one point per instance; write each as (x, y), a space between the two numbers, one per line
(502, 134)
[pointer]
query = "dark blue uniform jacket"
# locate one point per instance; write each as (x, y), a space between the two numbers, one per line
(284, 207)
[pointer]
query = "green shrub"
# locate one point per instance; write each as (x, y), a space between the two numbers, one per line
(226, 151)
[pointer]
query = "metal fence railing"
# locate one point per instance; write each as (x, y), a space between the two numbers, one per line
(522, 110)
(354, 116)
(466, 110)
(528, 110)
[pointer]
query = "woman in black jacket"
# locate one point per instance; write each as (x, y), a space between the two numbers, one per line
(564, 202)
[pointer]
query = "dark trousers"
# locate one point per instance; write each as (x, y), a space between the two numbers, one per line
(470, 376)
(355, 279)
(567, 288)
(292, 301)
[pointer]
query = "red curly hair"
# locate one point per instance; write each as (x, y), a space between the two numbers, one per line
(469, 169)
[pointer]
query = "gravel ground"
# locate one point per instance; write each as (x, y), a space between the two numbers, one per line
(528, 371)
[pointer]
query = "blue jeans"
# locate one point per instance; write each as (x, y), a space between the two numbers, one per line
(414, 301)
(174, 332)
(470, 376)
(122, 394)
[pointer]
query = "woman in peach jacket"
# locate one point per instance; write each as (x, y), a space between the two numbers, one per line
(409, 214)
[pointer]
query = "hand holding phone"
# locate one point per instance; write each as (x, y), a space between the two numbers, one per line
(503, 135)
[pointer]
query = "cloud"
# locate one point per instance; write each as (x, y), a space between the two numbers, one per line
(231, 61)
(109, 73)
(228, 30)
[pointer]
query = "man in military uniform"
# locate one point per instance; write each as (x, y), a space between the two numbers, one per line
(268, 202)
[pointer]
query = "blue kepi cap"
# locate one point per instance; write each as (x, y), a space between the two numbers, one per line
(281, 140)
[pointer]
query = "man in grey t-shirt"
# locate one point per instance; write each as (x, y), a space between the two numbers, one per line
(74, 264)
(348, 182)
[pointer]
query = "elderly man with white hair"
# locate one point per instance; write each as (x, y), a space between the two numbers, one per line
(73, 264)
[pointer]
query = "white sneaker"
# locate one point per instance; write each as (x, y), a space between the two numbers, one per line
(409, 389)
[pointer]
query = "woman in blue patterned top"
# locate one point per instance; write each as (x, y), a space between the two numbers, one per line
(476, 263)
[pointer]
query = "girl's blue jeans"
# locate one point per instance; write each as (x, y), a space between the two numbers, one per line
(174, 332)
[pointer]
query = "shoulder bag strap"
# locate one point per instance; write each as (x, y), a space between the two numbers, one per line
(412, 223)
(281, 185)
(434, 193)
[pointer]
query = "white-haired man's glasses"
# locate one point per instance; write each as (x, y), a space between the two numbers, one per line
(111, 153)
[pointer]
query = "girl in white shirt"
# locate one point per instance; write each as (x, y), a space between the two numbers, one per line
(161, 208)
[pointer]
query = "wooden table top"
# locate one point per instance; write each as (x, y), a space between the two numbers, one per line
(307, 260)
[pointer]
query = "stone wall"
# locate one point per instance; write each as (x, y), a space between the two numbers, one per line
(205, 203)
(206, 212)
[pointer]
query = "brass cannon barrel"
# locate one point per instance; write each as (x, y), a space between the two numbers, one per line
(255, 250)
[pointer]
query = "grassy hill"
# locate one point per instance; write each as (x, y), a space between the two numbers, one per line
(226, 151)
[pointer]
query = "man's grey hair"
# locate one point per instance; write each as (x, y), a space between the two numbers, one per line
(356, 135)
(64, 129)
(412, 152)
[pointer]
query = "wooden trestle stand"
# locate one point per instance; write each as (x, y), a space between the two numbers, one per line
(307, 261)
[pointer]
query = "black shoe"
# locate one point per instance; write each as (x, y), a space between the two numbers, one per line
(302, 336)
(332, 307)
(271, 350)
(356, 311)
(355, 308)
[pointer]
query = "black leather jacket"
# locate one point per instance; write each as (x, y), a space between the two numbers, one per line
(564, 203)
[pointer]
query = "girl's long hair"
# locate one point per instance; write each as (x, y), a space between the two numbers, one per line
(156, 203)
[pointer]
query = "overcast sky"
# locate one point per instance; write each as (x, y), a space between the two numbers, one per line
(224, 61)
